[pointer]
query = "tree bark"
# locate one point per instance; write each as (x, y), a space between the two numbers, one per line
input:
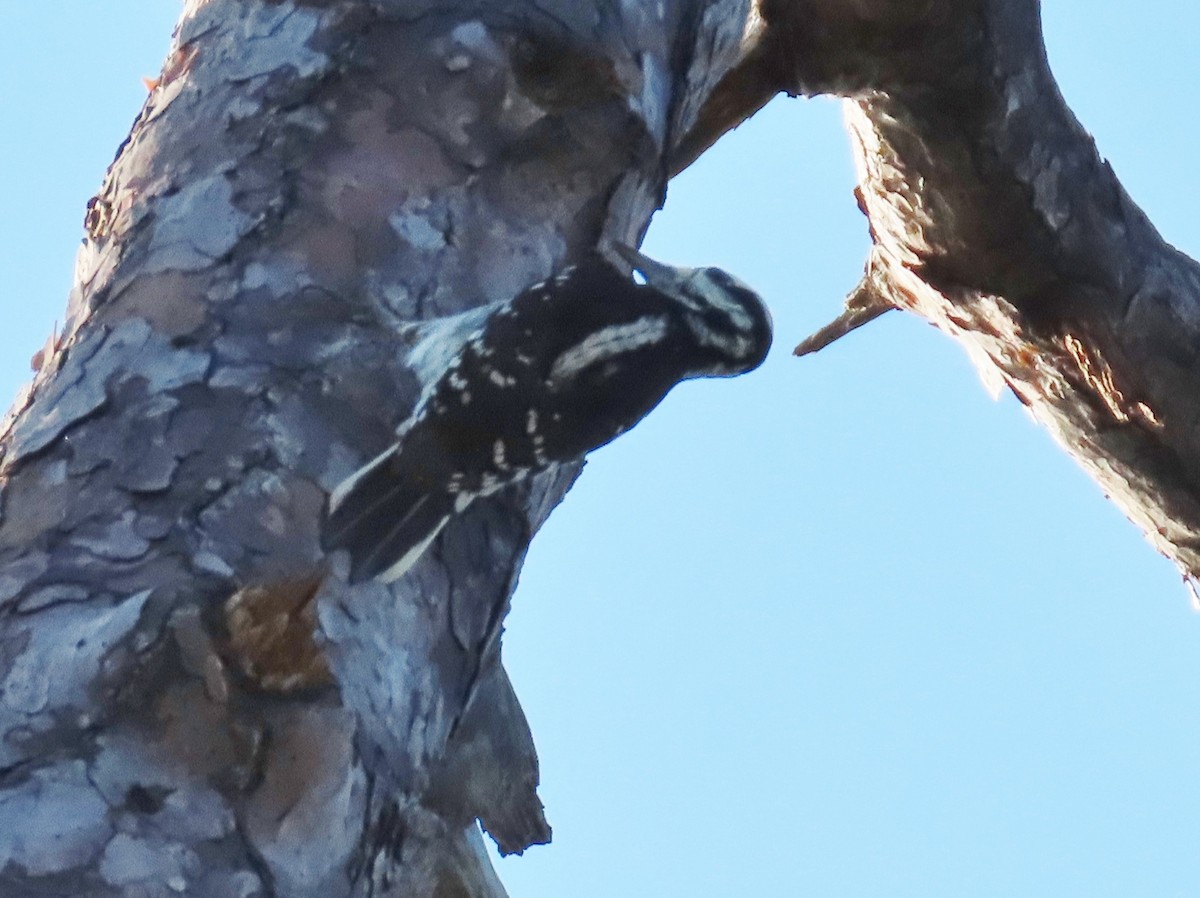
(192, 698)
(994, 217)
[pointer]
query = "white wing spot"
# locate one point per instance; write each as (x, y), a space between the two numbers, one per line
(440, 342)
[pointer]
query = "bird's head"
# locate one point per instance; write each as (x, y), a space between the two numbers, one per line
(725, 316)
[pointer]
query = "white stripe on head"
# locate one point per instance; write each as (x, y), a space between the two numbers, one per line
(735, 345)
(717, 296)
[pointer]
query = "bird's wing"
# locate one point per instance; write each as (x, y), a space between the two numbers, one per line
(385, 516)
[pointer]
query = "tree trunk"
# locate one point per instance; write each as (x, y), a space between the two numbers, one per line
(192, 698)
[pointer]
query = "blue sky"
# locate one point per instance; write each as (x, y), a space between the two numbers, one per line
(842, 627)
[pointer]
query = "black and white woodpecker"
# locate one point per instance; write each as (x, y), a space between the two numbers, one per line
(544, 378)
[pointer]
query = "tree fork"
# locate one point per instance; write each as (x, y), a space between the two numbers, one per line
(304, 183)
(185, 676)
(994, 217)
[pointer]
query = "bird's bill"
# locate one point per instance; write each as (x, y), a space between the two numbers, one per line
(657, 275)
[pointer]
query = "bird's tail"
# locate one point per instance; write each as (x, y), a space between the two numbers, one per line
(384, 519)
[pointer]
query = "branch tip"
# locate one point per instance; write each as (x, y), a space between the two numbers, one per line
(863, 305)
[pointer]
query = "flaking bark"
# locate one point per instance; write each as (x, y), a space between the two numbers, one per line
(192, 698)
(994, 217)
(306, 182)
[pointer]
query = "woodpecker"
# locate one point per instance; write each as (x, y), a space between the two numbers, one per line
(542, 379)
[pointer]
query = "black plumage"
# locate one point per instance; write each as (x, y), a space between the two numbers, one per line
(561, 369)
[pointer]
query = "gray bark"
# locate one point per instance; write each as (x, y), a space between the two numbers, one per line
(192, 698)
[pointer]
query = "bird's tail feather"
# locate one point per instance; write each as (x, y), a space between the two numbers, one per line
(384, 519)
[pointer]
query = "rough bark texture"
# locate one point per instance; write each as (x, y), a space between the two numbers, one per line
(192, 699)
(994, 217)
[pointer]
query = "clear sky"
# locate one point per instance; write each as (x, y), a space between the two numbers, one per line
(842, 627)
